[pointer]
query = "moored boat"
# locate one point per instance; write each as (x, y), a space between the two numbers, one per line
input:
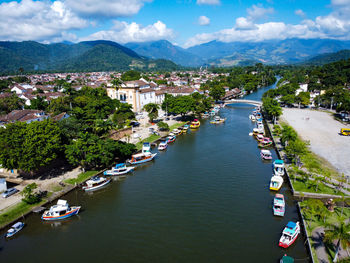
(265, 154)
(278, 167)
(146, 147)
(289, 234)
(252, 118)
(286, 259)
(276, 182)
(265, 142)
(60, 211)
(195, 124)
(186, 126)
(278, 205)
(170, 138)
(142, 158)
(95, 183)
(218, 120)
(14, 229)
(119, 169)
(162, 145)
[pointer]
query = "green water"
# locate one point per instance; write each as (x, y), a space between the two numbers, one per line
(205, 199)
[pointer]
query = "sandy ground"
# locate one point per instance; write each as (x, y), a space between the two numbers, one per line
(322, 131)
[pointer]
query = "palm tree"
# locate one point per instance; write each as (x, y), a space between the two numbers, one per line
(339, 232)
(116, 83)
(101, 127)
(152, 110)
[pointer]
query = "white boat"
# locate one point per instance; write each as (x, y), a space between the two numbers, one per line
(146, 147)
(289, 234)
(162, 145)
(276, 182)
(265, 155)
(60, 211)
(14, 229)
(120, 169)
(95, 183)
(278, 167)
(252, 118)
(142, 158)
(278, 205)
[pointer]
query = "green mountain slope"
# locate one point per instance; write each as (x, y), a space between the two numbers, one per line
(84, 56)
(328, 58)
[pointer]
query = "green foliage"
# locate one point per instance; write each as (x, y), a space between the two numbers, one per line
(272, 107)
(152, 110)
(59, 105)
(81, 177)
(296, 148)
(339, 232)
(131, 75)
(29, 196)
(123, 114)
(288, 134)
(179, 104)
(277, 130)
(304, 98)
(38, 103)
(11, 103)
(217, 92)
(163, 125)
(28, 147)
(102, 127)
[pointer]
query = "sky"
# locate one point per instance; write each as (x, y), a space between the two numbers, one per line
(185, 23)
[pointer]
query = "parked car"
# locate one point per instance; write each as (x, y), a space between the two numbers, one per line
(135, 124)
(9, 192)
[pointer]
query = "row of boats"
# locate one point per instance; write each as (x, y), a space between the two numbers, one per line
(292, 229)
(63, 210)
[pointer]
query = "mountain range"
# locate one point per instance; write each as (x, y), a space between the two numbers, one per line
(101, 55)
(30, 56)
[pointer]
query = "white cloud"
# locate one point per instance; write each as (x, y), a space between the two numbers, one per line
(37, 20)
(257, 11)
(122, 32)
(243, 23)
(300, 13)
(208, 2)
(203, 21)
(108, 8)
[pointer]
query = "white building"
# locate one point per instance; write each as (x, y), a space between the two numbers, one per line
(302, 88)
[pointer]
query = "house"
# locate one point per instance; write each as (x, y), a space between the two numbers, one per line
(60, 116)
(302, 88)
(27, 116)
(147, 96)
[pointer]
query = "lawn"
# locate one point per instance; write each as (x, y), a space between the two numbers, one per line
(16, 212)
(318, 165)
(176, 125)
(301, 186)
(151, 138)
(81, 177)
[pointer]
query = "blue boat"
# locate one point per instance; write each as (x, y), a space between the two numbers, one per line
(60, 211)
(14, 229)
(119, 169)
(278, 167)
(278, 205)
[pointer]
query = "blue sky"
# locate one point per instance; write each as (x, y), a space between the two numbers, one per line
(183, 22)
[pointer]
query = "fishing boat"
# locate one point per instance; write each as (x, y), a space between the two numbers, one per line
(278, 205)
(163, 145)
(289, 234)
(286, 259)
(96, 183)
(60, 211)
(265, 142)
(146, 147)
(278, 167)
(265, 154)
(276, 182)
(259, 137)
(14, 229)
(142, 158)
(195, 124)
(218, 120)
(119, 169)
(170, 138)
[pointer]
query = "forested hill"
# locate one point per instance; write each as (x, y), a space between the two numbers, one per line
(30, 56)
(328, 58)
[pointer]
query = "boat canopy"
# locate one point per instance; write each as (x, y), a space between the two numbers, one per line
(17, 225)
(62, 202)
(279, 161)
(291, 225)
(287, 259)
(119, 165)
(266, 152)
(279, 196)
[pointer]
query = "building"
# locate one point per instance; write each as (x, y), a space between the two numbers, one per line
(27, 116)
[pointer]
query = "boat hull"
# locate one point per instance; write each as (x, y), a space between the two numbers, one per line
(144, 160)
(286, 245)
(73, 212)
(93, 188)
(112, 173)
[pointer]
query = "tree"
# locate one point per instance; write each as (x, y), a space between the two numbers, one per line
(339, 232)
(152, 110)
(10, 103)
(28, 147)
(59, 105)
(101, 127)
(217, 92)
(29, 196)
(303, 98)
(296, 148)
(39, 103)
(272, 107)
(123, 114)
(163, 126)
(288, 134)
(116, 83)
(131, 75)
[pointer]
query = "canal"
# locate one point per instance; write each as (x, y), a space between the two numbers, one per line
(205, 199)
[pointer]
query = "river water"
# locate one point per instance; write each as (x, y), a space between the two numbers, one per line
(205, 199)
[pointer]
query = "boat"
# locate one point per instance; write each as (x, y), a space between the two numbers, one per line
(278, 205)
(119, 169)
(60, 211)
(259, 137)
(170, 138)
(218, 120)
(265, 154)
(257, 131)
(14, 229)
(286, 259)
(276, 182)
(186, 126)
(195, 124)
(265, 142)
(278, 167)
(142, 158)
(177, 131)
(205, 115)
(289, 234)
(95, 183)
(252, 118)
(162, 145)
(146, 147)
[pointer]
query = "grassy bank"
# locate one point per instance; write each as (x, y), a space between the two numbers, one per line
(81, 177)
(176, 125)
(16, 211)
(151, 138)
(302, 186)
